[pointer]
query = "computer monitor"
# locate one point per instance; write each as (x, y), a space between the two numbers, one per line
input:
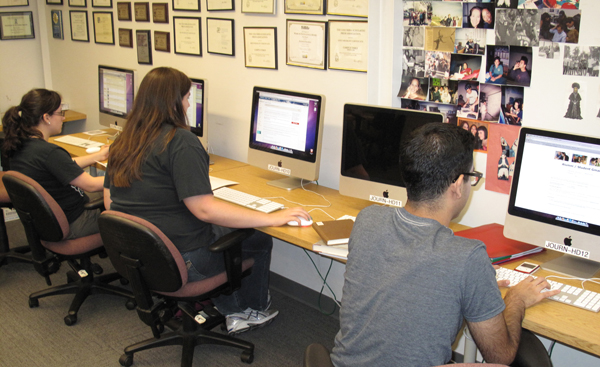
(285, 134)
(115, 93)
(196, 113)
(555, 198)
(371, 142)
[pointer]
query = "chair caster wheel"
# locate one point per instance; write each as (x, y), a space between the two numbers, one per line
(126, 360)
(131, 305)
(70, 320)
(34, 302)
(97, 269)
(124, 281)
(247, 357)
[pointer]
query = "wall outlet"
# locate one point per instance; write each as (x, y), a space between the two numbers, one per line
(115, 127)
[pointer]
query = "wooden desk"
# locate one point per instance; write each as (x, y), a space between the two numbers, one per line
(71, 115)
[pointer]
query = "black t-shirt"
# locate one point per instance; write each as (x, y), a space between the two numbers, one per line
(169, 176)
(53, 168)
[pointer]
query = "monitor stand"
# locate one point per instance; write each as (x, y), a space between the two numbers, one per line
(573, 266)
(288, 183)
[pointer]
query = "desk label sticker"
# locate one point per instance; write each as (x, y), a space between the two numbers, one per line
(385, 201)
(567, 250)
(283, 171)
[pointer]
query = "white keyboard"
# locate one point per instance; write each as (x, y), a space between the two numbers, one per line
(247, 200)
(569, 295)
(78, 142)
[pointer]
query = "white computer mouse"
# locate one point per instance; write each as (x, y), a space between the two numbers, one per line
(303, 222)
(91, 150)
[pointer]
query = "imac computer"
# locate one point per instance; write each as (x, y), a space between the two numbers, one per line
(285, 134)
(555, 199)
(370, 151)
(115, 92)
(196, 113)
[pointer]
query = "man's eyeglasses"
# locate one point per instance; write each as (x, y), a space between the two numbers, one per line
(475, 177)
(61, 113)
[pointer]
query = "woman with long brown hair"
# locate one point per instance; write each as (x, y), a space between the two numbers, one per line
(158, 170)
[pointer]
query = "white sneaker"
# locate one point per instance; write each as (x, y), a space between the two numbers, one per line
(249, 319)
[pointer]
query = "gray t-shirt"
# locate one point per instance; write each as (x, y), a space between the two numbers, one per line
(409, 284)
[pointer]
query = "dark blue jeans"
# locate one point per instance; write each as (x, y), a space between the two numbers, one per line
(253, 293)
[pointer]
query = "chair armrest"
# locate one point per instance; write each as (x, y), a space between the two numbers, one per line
(231, 239)
(231, 247)
(95, 204)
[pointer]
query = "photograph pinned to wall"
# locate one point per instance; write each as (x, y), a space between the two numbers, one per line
(507, 3)
(512, 106)
(414, 37)
(413, 63)
(502, 147)
(416, 13)
(448, 110)
(57, 24)
(470, 41)
(581, 60)
(414, 88)
(479, 129)
(437, 64)
(446, 14)
(497, 64)
(549, 50)
(479, 15)
(442, 91)
(490, 102)
(552, 4)
(467, 99)
(575, 100)
(439, 39)
(465, 67)
(520, 66)
(558, 25)
(517, 27)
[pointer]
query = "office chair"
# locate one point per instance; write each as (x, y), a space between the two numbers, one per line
(7, 255)
(46, 227)
(143, 254)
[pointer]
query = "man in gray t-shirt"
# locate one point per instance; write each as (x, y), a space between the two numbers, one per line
(410, 283)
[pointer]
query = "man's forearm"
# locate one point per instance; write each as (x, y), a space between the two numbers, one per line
(513, 316)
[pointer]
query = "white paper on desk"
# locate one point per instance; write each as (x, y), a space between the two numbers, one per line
(337, 251)
(216, 183)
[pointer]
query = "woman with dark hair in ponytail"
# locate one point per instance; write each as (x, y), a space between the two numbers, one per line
(27, 128)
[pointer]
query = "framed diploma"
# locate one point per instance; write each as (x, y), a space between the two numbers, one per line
(348, 45)
(219, 5)
(79, 25)
(160, 13)
(162, 41)
(78, 3)
(142, 12)
(144, 51)
(304, 7)
(7, 3)
(102, 3)
(124, 11)
(54, 2)
(219, 36)
(260, 47)
(57, 24)
(353, 8)
(17, 25)
(103, 27)
(186, 5)
(125, 37)
(186, 35)
(258, 6)
(306, 44)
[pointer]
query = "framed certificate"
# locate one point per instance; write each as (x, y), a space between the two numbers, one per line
(54, 2)
(162, 41)
(348, 45)
(103, 27)
(124, 11)
(57, 24)
(144, 51)
(186, 35)
(125, 37)
(212, 5)
(160, 13)
(8, 3)
(306, 44)
(260, 47)
(186, 5)
(219, 36)
(142, 12)
(79, 25)
(353, 8)
(304, 7)
(78, 3)
(258, 6)
(17, 25)
(102, 3)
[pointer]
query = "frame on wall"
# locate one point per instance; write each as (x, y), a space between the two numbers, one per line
(57, 24)
(187, 35)
(14, 3)
(54, 2)
(260, 47)
(142, 12)
(102, 3)
(79, 25)
(220, 36)
(160, 13)
(162, 41)
(124, 11)
(188, 5)
(218, 5)
(104, 30)
(306, 44)
(78, 3)
(16, 25)
(258, 6)
(315, 7)
(143, 44)
(125, 37)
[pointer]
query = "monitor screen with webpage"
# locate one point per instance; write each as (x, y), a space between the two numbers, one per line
(555, 199)
(196, 113)
(115, 93)
(285, 134)
(371, 141)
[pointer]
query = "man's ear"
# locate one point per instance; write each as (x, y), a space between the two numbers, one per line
(456, 187)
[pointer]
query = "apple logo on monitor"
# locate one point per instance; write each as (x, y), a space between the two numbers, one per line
(568, 241)
(386, 194)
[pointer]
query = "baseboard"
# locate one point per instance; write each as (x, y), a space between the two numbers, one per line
(303, 294)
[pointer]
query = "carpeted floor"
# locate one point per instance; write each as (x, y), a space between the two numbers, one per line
(39, 337)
